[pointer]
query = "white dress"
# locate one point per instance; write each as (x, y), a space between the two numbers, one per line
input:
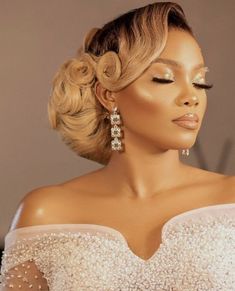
(197, 252)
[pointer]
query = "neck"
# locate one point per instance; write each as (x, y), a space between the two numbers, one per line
(141, 175)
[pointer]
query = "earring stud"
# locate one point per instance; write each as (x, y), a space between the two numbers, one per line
(185, 152)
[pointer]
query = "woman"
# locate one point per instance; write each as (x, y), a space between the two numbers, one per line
(131, 99)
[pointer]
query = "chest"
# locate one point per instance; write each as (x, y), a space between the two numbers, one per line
(140, 225)
(200, 257)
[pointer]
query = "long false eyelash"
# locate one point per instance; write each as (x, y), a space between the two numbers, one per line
(163, 81)
(203, 86)
(166, 81)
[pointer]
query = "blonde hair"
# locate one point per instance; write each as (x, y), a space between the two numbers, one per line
(114, 55)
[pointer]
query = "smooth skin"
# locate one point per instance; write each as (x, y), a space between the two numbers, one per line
(146, 185)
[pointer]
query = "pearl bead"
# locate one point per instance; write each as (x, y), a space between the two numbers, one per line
(197, 252)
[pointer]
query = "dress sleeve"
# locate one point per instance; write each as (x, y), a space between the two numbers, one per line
(23, 277)
(24, 263)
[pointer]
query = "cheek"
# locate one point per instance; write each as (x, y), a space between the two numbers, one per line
(204, 103)
(142, 106)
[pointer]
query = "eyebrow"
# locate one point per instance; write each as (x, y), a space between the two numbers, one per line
(178, 64)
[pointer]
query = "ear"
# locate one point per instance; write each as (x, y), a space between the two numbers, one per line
(106, 97)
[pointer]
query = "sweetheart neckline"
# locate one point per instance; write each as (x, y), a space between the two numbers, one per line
(120, 235)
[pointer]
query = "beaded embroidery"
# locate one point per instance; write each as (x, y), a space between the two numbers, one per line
(197, 253)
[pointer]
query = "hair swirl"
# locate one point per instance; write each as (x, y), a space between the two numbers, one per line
(114, 55)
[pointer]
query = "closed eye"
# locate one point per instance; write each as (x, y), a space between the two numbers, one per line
(168, 81)
(163, 81)
(203, 86)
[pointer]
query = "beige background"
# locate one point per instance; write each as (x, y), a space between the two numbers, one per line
(37, 36)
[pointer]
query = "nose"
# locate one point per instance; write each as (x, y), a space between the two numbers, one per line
(189, 100)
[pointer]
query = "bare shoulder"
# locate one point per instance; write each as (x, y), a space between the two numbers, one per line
(222, 186)
(202, 175)
(35, 207)
(86, 185)
(54, 203)
(229, 188)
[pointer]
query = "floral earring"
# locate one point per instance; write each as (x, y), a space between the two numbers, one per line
(116, 143)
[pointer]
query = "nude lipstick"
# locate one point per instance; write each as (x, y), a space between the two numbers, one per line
(188, 120)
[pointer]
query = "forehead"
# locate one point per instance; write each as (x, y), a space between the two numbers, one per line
(181, 51)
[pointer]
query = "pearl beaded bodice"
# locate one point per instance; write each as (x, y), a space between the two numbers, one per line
(197, 253)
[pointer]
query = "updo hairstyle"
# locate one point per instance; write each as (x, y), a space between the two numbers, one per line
(114, 55)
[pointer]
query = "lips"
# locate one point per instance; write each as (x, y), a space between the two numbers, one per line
(188, 117)
(187, 124)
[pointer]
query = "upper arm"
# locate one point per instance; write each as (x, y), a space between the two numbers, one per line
(34, 208)
(23, 277)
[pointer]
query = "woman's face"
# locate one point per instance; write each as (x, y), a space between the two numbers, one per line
(147, 107)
